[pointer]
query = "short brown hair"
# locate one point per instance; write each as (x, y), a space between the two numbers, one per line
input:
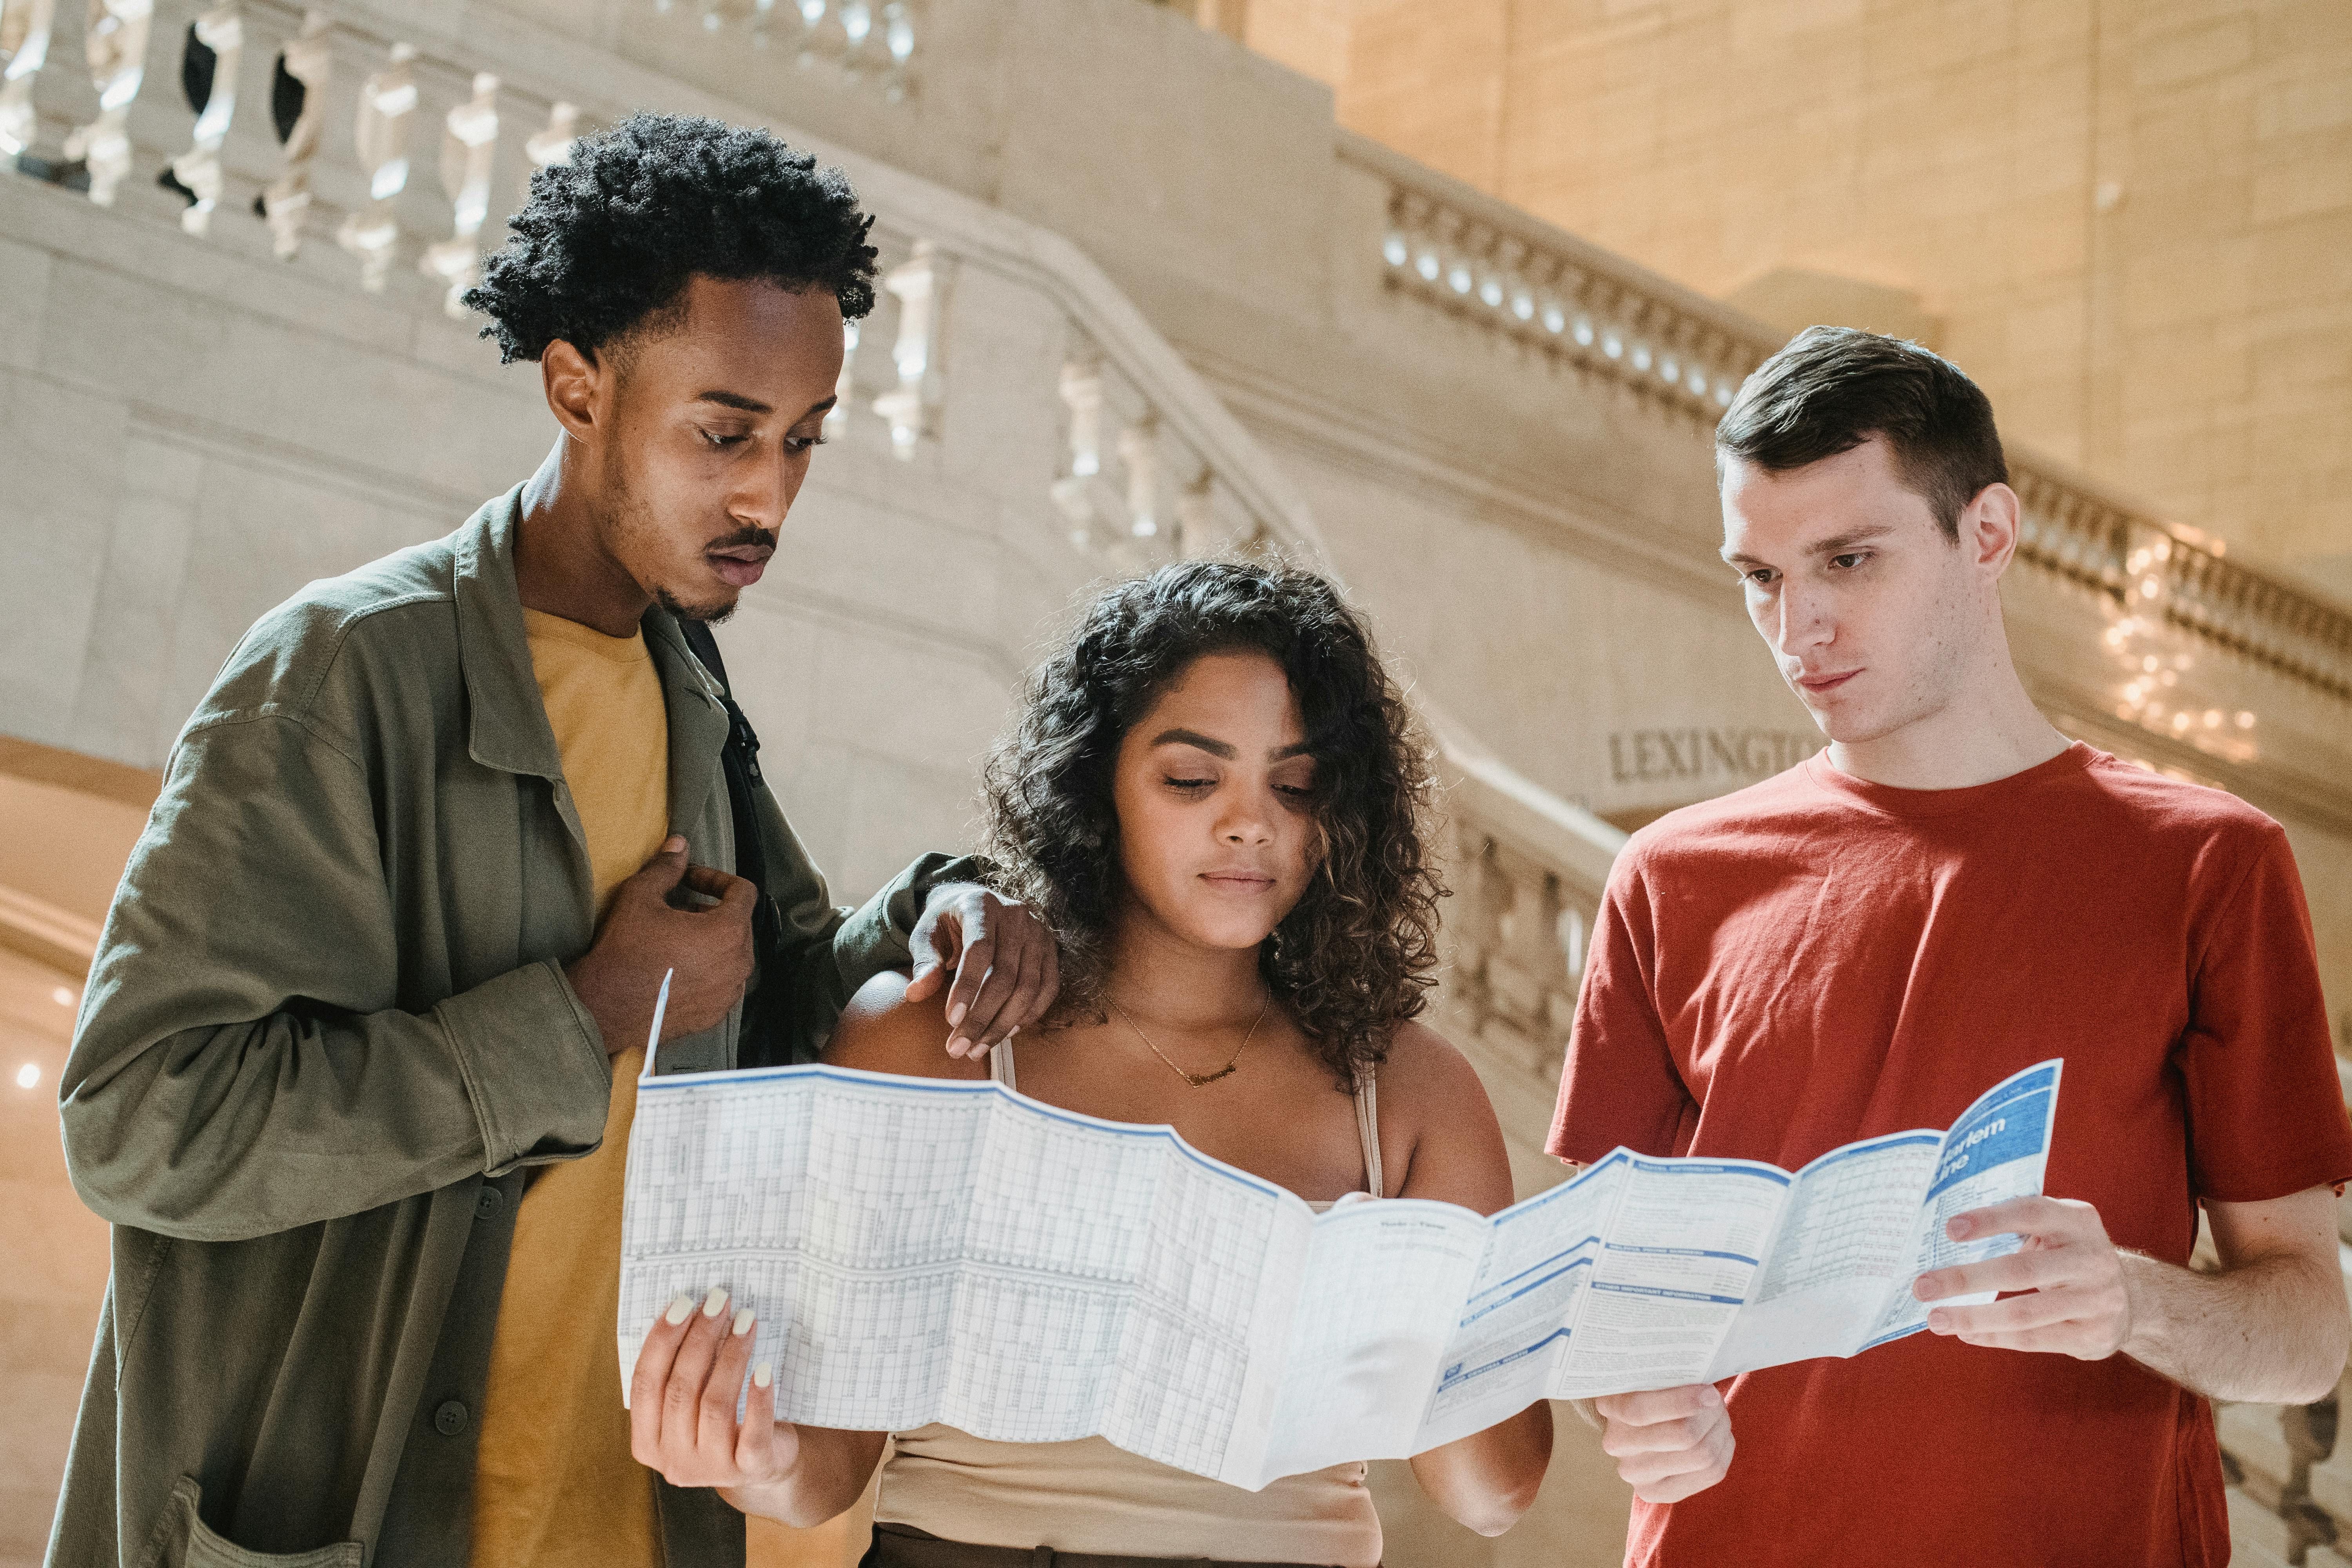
(1833, 388)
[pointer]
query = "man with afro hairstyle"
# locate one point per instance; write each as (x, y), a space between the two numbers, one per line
(355, 1079)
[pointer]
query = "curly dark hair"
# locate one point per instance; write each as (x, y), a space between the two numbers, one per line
(609, 239)
(1353, 960)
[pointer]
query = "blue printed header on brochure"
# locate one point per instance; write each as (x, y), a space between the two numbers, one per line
(2012, 1123)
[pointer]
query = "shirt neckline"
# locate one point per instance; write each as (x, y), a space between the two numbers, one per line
(1888, 800)
(539, 625)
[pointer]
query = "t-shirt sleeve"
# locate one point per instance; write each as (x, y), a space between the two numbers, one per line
(1619, 1083)
(2265, 1107)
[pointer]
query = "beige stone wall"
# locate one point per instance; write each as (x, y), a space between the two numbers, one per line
(2132, 222)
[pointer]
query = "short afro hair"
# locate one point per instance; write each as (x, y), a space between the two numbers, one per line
(610, 238)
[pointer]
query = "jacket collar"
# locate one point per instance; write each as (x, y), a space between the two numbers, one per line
(697, 720)
(507, 728)
(506, 725)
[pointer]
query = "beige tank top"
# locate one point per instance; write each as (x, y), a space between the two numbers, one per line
(1092, 1496)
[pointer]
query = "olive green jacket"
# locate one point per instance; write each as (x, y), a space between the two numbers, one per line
(327, 1032)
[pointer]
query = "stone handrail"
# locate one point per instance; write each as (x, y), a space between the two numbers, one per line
(1460, 250)
(47, 934)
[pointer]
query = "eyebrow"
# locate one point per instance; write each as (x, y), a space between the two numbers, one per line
(733, 400)
(1836, 544)
(1193, 737)
(753, 406)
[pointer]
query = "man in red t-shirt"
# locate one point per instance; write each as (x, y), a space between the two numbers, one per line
(1866, 943)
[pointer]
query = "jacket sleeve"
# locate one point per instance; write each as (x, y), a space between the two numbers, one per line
(826, 953)
(244, 1063)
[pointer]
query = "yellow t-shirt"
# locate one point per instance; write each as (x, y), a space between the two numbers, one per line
(555, 1483)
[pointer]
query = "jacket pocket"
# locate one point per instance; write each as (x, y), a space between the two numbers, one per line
(182, 1540)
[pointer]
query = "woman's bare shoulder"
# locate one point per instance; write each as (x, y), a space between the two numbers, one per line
(1424, 1067)
(1442, 1111)
(881, 1031)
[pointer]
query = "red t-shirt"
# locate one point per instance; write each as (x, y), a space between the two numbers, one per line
(1817, 959)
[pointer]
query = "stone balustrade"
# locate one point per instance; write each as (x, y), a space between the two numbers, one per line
(1526, 870)
(1166, 503)
(870, 39)
(1453, 248)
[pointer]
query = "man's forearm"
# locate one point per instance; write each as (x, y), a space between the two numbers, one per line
(2270, 1331)
(220, 1131)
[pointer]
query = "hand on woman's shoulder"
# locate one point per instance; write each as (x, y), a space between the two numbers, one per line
(1458, 1155)
(881, 1031)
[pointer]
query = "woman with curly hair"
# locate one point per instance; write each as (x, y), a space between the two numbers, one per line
(1215, 796)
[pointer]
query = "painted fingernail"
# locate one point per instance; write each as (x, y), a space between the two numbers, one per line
(743, 1323)
(715, 1302)
(679, 1308)
(956, 1013)
(763, 1376)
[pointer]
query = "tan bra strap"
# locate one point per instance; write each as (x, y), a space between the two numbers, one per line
(1000, 1065)
(1368, 1129)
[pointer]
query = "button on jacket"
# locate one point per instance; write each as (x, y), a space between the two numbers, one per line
(327, 1033)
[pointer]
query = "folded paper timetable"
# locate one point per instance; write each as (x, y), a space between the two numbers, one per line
(922, 1250)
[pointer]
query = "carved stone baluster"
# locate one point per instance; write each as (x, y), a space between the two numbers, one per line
(25, 43)
(844, 387)
(1472, 925)
(298, 108)
(856, 26)
(898, 34)
(1196, 516)
(387, 99)
(906, 405)
(468, 144)
(1138, 454)
(1082, 394)
(552, 145)
(821, 32)
(1572, 931)
(115, 43)
(208, 72)
(25, 28)
(1528, 968)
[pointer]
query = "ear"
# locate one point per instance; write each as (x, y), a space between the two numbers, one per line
(1988, 526)
(577, 387)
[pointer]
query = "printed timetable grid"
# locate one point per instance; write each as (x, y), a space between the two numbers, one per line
(922, 1250)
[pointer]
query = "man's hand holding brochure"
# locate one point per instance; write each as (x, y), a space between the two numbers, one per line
(925, 1250)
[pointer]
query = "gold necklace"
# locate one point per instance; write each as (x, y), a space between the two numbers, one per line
(1197, 1079)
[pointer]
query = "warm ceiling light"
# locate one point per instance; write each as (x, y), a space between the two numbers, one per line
(63, 997)
(28, 1076)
